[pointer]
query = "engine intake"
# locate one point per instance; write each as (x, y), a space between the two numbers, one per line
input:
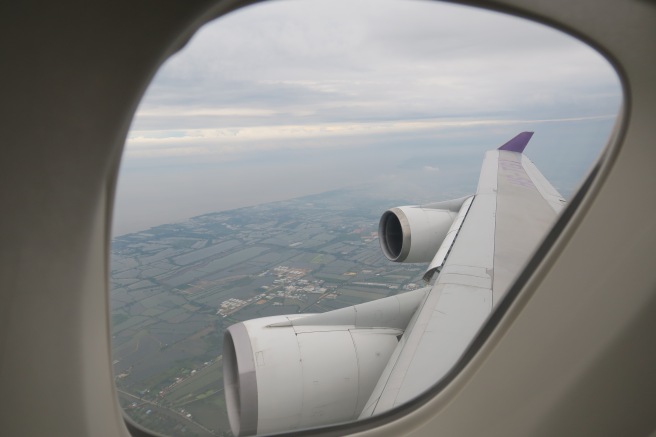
(413, 234)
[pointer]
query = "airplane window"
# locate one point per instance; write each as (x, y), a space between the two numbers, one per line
(267, 176)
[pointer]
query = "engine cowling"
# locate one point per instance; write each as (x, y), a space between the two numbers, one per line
(289, 372)
(291, 377)
(413, 234)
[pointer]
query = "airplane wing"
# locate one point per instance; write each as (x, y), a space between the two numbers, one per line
(292, 372)
(512, 210)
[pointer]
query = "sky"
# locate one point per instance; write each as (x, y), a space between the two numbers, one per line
(397, 98)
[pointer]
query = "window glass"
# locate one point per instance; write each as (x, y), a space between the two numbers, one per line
(259, 164)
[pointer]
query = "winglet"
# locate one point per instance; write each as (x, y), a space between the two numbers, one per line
(517, 144)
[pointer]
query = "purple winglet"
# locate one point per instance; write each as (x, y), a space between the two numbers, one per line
(517, 144)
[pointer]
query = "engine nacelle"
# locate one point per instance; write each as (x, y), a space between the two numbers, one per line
(413, 234)
(286, 377)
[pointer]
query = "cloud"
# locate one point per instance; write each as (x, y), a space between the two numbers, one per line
(326, 61)
(336, 92)
(247, 140)
(204, 112)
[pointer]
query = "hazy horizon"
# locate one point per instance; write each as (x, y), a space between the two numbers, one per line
(286, 99)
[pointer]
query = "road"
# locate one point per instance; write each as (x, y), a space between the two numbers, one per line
(169, 412)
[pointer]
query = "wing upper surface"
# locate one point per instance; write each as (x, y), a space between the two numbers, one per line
(512, 210)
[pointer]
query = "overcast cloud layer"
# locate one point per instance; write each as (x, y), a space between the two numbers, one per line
(290, 98)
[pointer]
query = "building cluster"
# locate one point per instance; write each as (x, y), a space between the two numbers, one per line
(288, 283)
(232, 305)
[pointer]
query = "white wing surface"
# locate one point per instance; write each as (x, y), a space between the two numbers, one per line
(512, 211)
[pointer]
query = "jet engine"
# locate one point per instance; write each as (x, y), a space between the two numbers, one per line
(413, 234)
(291, 372)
